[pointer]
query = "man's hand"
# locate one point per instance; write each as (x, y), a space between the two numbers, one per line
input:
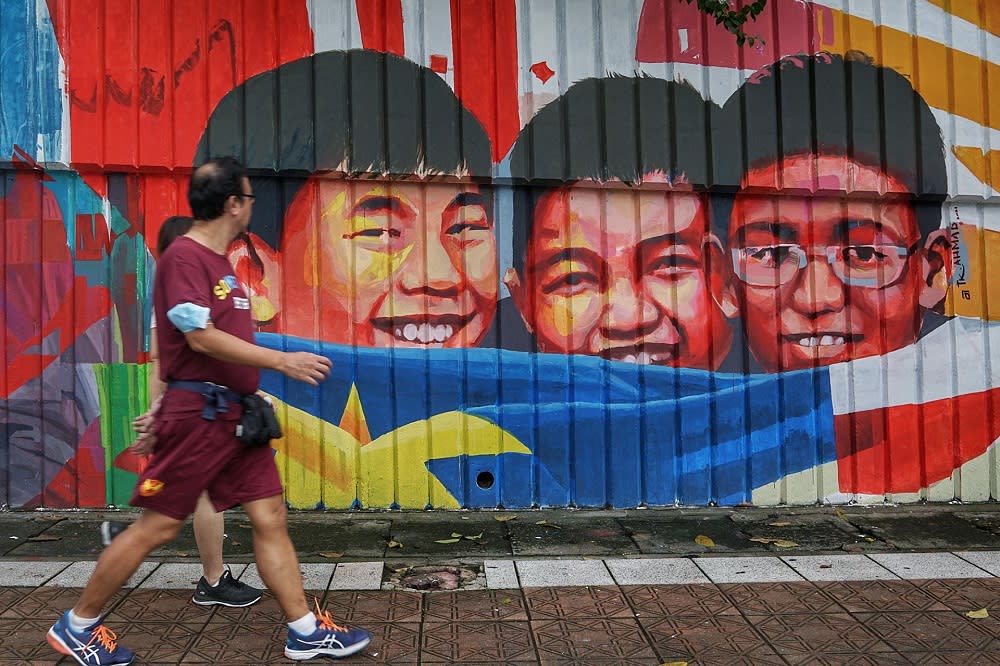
(305, 367)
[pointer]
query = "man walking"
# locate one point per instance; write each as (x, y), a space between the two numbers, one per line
(208, 359)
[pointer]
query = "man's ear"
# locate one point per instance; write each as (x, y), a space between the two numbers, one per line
(720, 277)
(937, 267)
(517, 294)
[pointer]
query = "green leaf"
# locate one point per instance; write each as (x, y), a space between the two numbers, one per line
(447, 541)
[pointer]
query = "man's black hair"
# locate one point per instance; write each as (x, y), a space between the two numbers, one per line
(212, 183)
(363, 112)
(604, 129)
(826, 104)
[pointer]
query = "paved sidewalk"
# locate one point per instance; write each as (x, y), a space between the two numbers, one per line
(850, 593)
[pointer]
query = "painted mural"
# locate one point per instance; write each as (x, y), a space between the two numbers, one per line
(559, 254)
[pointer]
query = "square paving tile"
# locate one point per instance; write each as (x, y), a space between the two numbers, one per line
(880, 596)
(915, 632)
(576, 602)
(652, 601)
(944, 657)
(547, 573)
(965, 594)
(158, 642)
(658, 571)
(747, 570)
(838, 567)
(775, 598)
(476, 642)
(78, 573)
(315, 576)
(23, 642)
(501, 574)
(178, 576)
(845, 658)
(713, 639)
(928, 565)
(984, 559)
(28, 573)
(603, 639)
(817, 634)
(363, 607)
(10, 596)
(357, 576)
(232, 643)
(392, 643)
(47, 603)
(475, 606)
(164, 606)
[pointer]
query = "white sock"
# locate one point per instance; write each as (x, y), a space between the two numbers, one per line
(78, 624)
(305, 625)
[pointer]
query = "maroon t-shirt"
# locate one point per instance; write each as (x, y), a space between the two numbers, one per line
(194, 284)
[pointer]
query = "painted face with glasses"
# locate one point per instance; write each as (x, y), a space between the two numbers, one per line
(834, 275)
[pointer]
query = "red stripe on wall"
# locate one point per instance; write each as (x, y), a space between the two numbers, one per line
(484, 41)
(381, 25)
(909, 447)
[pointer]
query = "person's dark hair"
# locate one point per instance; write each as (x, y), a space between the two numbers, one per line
(826, 104)
(357, 111)
(604, 129)
(212, 183)
(173, 226)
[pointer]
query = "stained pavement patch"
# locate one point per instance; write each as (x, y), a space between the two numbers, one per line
(923, 531)
(547, 537)
(676, 534)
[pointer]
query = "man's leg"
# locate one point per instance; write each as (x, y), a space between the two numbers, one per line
(277, 562)
(209, 526)
(309, 635)
(122, 558)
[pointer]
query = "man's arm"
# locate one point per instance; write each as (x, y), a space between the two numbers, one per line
(303, 366)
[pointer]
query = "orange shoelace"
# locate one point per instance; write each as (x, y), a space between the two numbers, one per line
(106, 637)
(326, 620)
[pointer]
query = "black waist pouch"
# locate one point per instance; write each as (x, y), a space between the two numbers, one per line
(258, 425)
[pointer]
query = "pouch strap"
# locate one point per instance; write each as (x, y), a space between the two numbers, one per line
(217, 397)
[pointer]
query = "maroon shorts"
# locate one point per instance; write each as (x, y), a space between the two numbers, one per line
(194, 454)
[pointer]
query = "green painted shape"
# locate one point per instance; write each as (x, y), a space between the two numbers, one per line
(122, 390)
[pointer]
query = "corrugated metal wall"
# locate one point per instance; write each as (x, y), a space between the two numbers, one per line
(560, 252)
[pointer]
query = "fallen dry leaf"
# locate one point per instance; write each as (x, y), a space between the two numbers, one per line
(456, 535)
(840, 514)
(43, 537)
(181, 553)
(978, 614)
(546, 523)
(779, 523)
(705, 541)
(394, 544)
(473, 537)
(504, 519)
(674, 663)
(780, 543)
(447, 540)
(330, 554)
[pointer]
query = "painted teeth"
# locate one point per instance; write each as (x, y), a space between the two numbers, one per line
(425, 333)
(825, 340)
(644, 358)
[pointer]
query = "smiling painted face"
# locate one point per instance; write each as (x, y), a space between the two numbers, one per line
(404, 264)
(621, 273)
(828, 278)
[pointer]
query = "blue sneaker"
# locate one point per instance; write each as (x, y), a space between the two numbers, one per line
(94, 646)
(329, 640)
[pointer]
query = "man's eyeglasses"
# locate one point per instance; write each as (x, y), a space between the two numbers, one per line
(873, 266)
(245, 195)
